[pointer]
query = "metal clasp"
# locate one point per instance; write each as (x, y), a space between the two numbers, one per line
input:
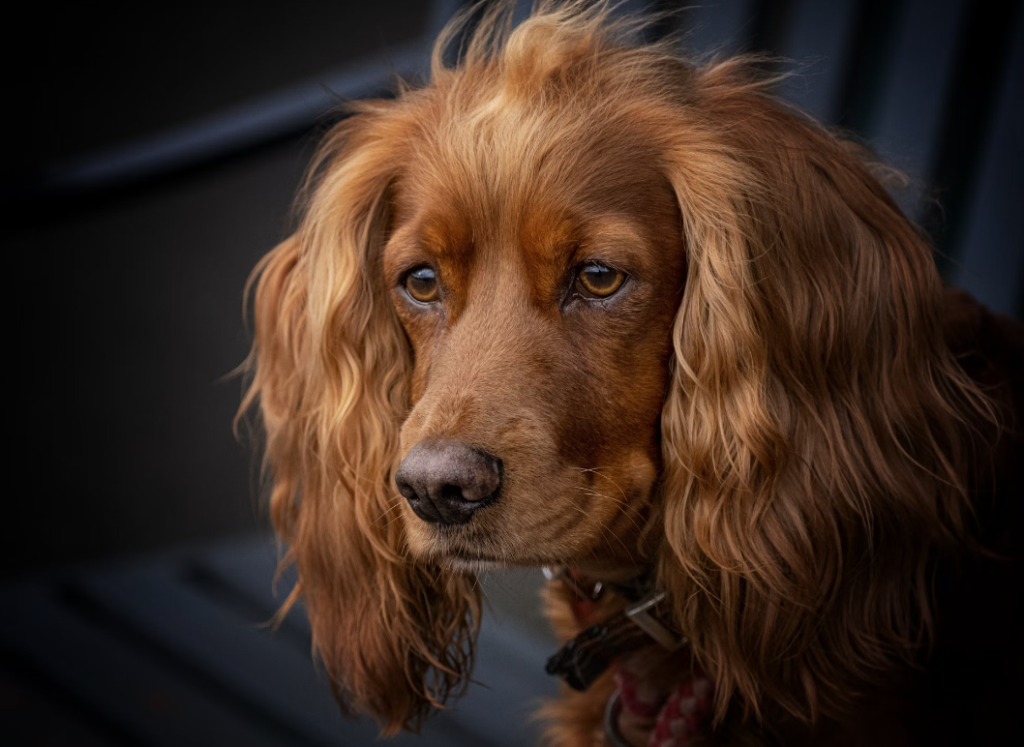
(640, 614)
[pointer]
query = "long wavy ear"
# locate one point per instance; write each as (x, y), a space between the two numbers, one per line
(329, 367)
(813, 436)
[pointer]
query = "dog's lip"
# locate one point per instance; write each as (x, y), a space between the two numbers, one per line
(504, 560)
(465, 554)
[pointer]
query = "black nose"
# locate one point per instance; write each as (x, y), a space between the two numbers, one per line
(446, 481)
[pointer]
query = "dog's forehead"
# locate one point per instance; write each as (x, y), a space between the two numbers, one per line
(537, 185)
(497, 151)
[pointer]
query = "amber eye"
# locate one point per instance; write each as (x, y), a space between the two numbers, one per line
(422, 285)
(595, 280)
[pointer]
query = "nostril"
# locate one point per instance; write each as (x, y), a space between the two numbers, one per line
(407, 491)
(452, 493)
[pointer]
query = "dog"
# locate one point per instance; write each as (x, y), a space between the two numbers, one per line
(580, 303)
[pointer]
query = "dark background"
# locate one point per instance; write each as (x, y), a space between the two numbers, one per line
(136, 273)
(153, 151)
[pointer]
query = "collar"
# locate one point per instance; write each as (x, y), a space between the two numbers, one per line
(643, 623)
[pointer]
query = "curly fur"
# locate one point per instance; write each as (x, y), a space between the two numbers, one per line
(806, 443)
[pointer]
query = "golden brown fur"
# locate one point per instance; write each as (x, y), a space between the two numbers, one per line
(771, 418)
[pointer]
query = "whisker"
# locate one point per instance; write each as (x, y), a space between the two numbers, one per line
(398, 504)
(597, 471)
(630, 514)
(605, 532)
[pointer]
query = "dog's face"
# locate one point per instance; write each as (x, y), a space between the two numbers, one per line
(539, 314)
(478, 350)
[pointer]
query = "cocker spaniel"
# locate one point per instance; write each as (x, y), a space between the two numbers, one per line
(580, 303)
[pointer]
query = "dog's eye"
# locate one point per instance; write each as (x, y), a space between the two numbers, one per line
(422, 285)
(595, 280)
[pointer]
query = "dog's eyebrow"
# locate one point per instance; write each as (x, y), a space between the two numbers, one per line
(614, 232)
(447, 238)
(568, 242)
(428, 239)
(401, 250)
(612, 239)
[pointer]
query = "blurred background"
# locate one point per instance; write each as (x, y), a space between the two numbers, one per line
(153, 154)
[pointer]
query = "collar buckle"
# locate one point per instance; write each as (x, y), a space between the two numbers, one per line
(640, 613)
(584, 658)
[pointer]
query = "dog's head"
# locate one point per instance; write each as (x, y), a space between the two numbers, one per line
(577, 301)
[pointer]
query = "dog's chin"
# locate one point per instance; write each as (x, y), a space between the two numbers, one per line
(463, 560)
(460, 549)
(471, 566)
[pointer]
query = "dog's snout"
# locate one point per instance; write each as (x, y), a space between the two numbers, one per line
(445, 482)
